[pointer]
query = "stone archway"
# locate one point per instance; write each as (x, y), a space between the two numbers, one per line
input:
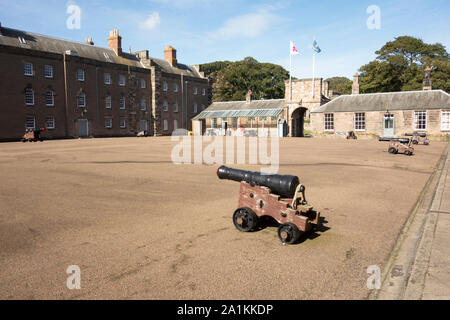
(297, 122)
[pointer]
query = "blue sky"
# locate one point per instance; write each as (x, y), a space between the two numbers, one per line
(210, 30)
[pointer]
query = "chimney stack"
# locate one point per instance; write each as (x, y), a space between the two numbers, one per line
(0, 28)
(115, 41)
(249, 96)
(170, 55)
(89, 41)
(355, 86)
(427, 79)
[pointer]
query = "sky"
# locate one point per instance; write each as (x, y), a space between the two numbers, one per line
(348, 32)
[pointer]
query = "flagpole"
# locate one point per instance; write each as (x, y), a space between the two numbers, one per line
(314, 71)
(290, 77)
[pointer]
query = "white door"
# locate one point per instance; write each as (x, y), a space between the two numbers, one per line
(83, 127)
(389, 125)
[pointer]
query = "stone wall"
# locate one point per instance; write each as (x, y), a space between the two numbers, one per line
(403, 123)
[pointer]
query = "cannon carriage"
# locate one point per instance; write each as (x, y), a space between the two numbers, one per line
(419, 137)
(399, 145)
(280, 197)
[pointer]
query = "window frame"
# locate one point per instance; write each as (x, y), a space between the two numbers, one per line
(82, 73)
(447, 112)
(122, 103)
(195, 91)
(110, 121)
(32, 96)
(203, 91)
(108, 102)
(165, 106)
(165, 125)
(25, 64)
(84, 100)
(107, 78)
(143, 104)
(195, 108)
(46, 74)
(53, 122)
(26, 123)
(122, 83)
(175, 107)
(417, 120)
(357, 121)
(143, 84)
(123, 121)
(327, 122)
(53, 99)
(165, 86)
(175, 124)
(175, 87)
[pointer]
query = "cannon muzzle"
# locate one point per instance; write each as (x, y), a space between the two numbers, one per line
(282, 185)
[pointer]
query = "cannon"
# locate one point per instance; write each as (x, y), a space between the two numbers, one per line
(33, 135)
(280, 197)
(418, 137)
(399, 145)
(351, 135)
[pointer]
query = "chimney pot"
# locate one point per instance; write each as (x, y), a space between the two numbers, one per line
(355, 86)
(170, 55)
(89, 41)
(115, 41)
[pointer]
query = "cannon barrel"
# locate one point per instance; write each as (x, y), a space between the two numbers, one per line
(282, 185)
(417, 134)
(401, 140)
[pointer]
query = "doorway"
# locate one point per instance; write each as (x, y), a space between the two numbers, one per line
(83, 127)
(297, 122)
(388, 125)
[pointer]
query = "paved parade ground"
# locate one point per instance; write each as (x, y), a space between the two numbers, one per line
(139, 226)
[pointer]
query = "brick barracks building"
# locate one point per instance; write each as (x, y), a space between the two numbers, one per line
(80, 90)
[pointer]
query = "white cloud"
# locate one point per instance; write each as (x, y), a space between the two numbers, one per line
(151, 22)
(249, 25)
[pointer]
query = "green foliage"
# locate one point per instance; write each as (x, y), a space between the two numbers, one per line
(341, 85)
(400, 66)
(232, 80)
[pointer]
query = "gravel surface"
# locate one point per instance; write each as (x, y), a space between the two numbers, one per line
(140, 227)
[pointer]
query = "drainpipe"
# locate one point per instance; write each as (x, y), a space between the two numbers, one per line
(65, 96)
(182, 101)
(97, 125)
(186, 103)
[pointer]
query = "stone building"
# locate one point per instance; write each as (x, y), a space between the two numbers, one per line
(179, 92)
(389, 114)
(78, 89)
(284, 117)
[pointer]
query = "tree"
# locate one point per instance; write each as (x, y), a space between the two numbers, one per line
(400, 66)
(232, 80)
(341, 85)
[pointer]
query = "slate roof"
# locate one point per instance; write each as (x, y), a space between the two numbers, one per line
(179, 69)
(405, 100)
(33, 41)
(236, 109)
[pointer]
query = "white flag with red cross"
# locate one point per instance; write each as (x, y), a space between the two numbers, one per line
(293, 49)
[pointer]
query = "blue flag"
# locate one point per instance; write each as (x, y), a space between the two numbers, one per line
(316, 47)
